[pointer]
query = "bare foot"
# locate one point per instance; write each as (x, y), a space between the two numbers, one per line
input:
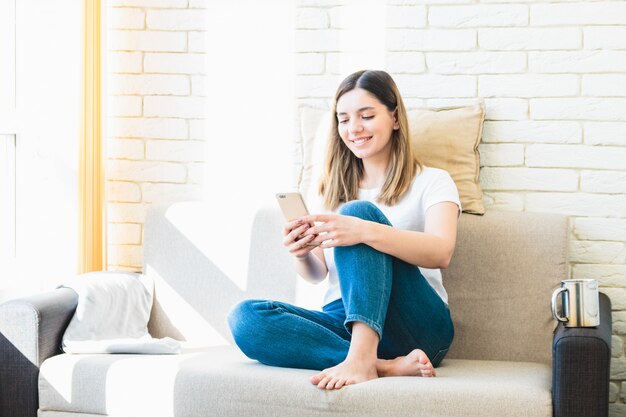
(347, 372)
(415, 363)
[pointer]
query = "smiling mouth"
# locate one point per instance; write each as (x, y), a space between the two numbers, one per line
(360, 141)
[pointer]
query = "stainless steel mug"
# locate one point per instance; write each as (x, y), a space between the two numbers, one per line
(580, 303)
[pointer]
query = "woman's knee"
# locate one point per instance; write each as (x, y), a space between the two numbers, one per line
(365, 210)
(244, 316)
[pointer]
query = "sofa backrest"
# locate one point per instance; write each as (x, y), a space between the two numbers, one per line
(499, 282)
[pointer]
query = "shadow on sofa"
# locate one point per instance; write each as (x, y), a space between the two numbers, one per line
(189, 286)
(16, 379)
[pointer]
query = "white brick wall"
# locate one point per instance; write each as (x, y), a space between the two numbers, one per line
(156, 59)
(147, 40)
(406, 16)
(553, 77)
(524, 39)
(552, 74)
(581, 13)
(492, 15)
(581, 61)
(174, 63)
(532, 131)
(427, 40)
(476, 62)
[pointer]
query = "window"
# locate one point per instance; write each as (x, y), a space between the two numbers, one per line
(7, 197)
(7, 141)
(39, 127)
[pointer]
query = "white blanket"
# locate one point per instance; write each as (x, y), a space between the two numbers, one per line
(112, 316)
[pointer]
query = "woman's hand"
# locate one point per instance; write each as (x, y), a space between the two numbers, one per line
(335, 230)
(294, 241)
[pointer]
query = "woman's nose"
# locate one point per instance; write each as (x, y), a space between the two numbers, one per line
(355, 126)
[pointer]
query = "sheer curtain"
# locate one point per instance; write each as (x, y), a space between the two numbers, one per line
(92, 219)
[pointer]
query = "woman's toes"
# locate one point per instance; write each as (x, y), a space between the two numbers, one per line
(316, 379)
(340, 383)
(330, 384)
(324, 382)
(428, 370)
(420, 355)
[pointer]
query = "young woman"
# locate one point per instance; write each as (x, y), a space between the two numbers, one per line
(383, 226)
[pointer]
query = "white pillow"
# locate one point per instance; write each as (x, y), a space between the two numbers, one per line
(112, 315)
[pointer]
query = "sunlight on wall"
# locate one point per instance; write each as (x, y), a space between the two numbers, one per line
(363, 36)
(249, 119)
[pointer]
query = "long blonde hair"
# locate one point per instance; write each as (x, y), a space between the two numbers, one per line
(343, 171)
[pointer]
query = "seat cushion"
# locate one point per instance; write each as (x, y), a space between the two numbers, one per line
(223, 382)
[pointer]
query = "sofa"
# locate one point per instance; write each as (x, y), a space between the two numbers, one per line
(509, 356)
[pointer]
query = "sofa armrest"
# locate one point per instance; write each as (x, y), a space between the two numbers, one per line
(581, 366)
(31, 329)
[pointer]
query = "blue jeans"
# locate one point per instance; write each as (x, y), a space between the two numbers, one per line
(388, 294)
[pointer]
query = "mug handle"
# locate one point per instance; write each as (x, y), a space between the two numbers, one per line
(554, 312)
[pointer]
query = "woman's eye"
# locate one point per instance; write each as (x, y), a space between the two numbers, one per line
(368, 117)
(343, 121)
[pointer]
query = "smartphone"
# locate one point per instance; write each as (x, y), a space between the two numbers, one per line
(293, 207)
(292, 204)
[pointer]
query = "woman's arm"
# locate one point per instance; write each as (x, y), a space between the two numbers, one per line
(429, 249)
(432, 248)
(312, 266)
(309, 259)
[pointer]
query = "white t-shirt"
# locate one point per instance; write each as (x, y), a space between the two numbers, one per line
(430, 186)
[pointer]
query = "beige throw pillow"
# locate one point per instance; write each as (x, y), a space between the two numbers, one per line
(448, 139)
(443, 138)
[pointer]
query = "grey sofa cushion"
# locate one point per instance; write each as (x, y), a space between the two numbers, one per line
(222, 382)
(499, 282)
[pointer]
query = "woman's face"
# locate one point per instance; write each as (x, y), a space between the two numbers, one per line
(365, 125)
